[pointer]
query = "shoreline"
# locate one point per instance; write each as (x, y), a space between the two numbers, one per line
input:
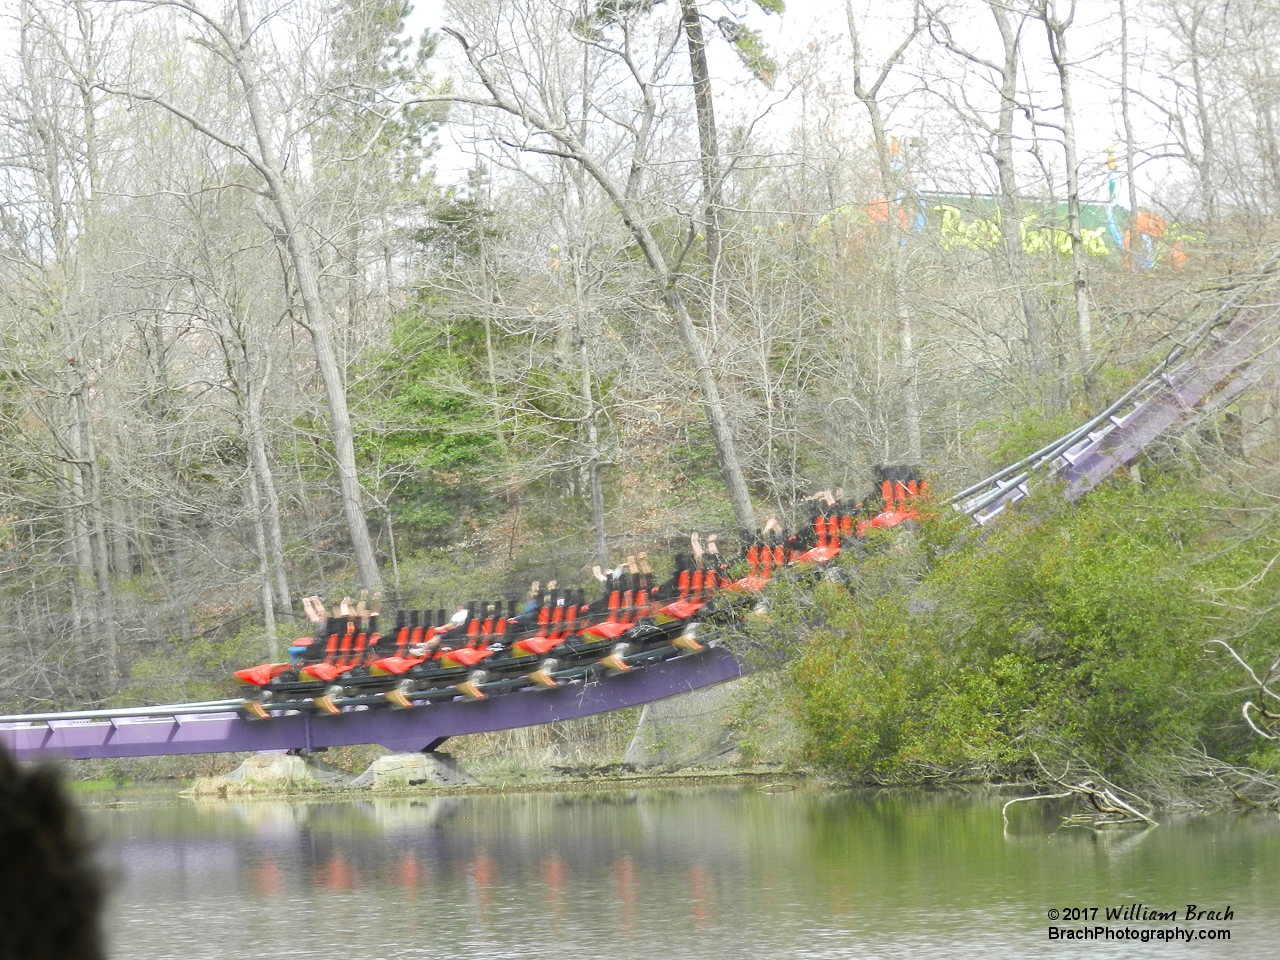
(218, 790)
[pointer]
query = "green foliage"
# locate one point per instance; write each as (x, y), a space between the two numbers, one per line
(436, 436)
(749, 45)
(1060, 630)
(458, 228)
(608, 12)
(1027, 431)
(192, 670)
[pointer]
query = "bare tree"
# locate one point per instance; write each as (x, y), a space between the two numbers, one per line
(896, 234)
(1003, 73)
(1056, 27)
(1130, 143)
(519, 89)
(235, 38)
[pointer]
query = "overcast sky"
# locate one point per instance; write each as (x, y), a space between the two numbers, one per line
(821, 24)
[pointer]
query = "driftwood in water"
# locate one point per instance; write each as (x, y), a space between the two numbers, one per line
(1109, 807)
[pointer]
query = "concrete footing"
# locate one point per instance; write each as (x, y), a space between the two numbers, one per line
(274, 766)
(413, 769)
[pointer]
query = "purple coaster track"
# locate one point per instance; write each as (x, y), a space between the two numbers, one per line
(1227, 367)
(401, 730)
(1228, 361)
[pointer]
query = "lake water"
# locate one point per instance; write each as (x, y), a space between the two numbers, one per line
(708, 872)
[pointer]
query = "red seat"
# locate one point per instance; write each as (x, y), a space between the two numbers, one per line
(679, 610)
(325, 672)
(394, 666)
(620, 620)
(261, 675)
(537, 646)
(321, 670)
(827, 548)
(609, 630)
(400, 663)
(541, 645)
(465, 656)
(521, 648)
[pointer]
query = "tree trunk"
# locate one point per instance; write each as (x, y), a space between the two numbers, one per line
(895, 254)
(1130, 148)
(1205, 124)
(313, 306)
(895, 237)
(255, 385)
(593, 462)
(1009, 202)
(90, 537)
(1057, 36)
(708, 143)
(589, 421)
(717, 418)
(253, 505)
(713, 406)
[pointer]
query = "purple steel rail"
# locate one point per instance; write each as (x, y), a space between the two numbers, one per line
(1225, 369)
(415, 729)
(1168, 395)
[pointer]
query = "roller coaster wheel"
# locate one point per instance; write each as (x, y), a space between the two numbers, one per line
(616, 662)
(687, 642)
(470, 688)
(543, 675)
(399, 697)
(326, 703)
(256, 704)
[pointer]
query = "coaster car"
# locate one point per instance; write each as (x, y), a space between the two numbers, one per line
(482, 650)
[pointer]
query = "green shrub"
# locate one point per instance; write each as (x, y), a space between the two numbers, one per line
(1059, 629)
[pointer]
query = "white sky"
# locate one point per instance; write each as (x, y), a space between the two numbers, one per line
(820, 25)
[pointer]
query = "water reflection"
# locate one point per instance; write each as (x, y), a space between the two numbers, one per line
(689, 873)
